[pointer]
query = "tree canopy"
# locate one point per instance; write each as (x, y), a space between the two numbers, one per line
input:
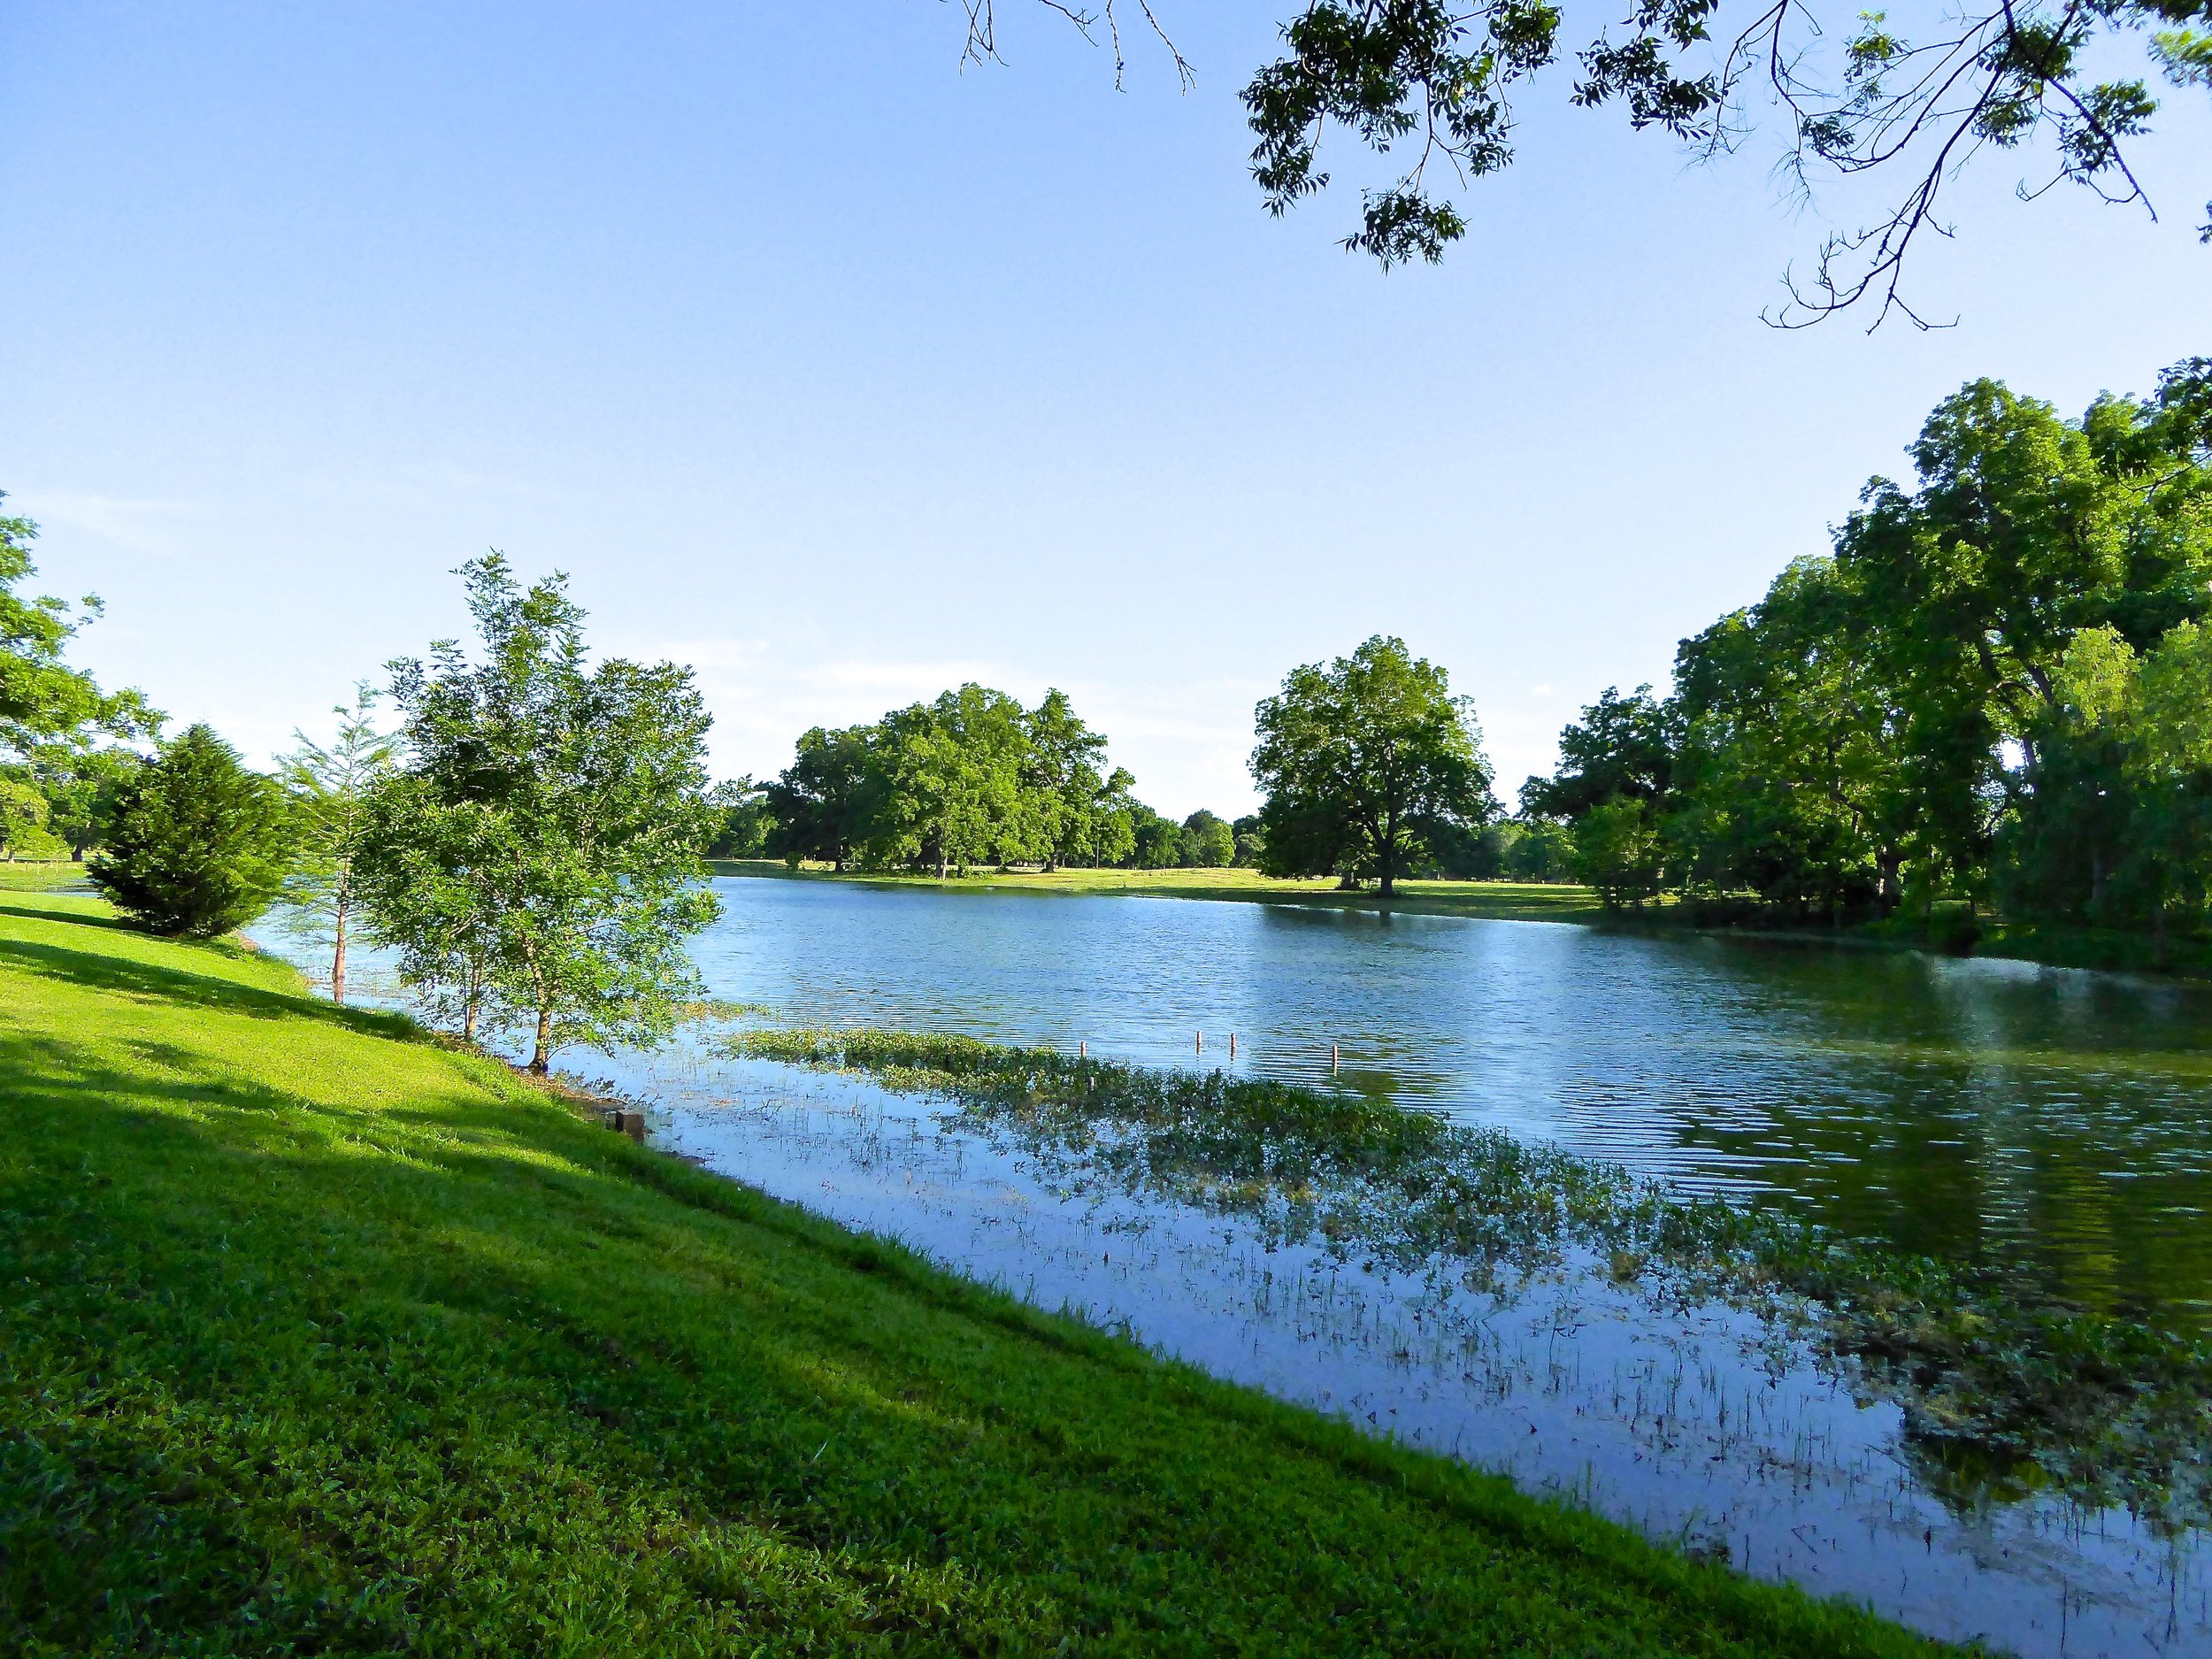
(62, 738)
(537, 852)
(331, 784)
(974, 779)
(1984, 692)
(199, 845)
(1857, 93)
(1365, 761)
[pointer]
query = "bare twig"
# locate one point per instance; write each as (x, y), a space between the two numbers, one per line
(982, 42)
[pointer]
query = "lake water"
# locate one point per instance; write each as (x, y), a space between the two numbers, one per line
(2055, 1121)
(2048, 1124)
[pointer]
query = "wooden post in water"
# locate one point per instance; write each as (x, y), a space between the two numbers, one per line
(1198, 1042)
(1232, 1045)
(1331, 1059)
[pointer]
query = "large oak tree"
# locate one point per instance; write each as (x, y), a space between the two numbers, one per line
(1362, 761)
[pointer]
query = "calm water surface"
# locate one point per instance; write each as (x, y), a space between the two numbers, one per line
(2053, 1122)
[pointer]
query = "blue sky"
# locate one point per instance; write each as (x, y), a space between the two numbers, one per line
(844, 374)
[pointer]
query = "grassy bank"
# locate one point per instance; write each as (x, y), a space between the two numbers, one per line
(317, 1336)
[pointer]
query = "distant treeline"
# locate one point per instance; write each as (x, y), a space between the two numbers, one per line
(974, 780)
(971, 779)
(1997, 687)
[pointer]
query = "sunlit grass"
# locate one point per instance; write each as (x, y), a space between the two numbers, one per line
(317, 1335)
(21, 876)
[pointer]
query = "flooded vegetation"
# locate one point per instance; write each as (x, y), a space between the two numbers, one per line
(2000, 1396)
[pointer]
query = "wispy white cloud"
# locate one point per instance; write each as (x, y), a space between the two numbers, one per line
(153, 528)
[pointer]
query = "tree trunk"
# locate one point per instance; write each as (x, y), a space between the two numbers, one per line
(338, 958)
(541, 1055)
(468, 1020)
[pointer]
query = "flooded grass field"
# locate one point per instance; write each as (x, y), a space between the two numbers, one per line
(1881, 1273)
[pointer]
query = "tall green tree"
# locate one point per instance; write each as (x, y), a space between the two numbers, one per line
(2169, 760)
(1617, 851)
(745, 819)
(1209, 843)
(199, 844)
(330, 785)
(51, 715)
(81, 787)
(1073, 799)
(1360, 758)
(22, 816)
(1156, 843)
(1788, 779)
(424, 877)
(564, 807)
(2068, 848)
(953, 792)
(823, 802)
(1622, 746)
(1928, 712)
(2023, 531)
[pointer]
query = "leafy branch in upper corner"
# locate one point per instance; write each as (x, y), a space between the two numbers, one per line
(1438, 78)
(1993, 77)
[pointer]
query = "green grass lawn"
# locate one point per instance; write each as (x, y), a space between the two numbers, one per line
(317, 1336)
(21, 876)
(1504, 901)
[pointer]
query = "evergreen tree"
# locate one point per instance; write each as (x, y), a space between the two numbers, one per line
(199, 845)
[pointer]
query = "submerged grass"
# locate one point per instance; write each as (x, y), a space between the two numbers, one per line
(2002, 1395)
(320, 1336)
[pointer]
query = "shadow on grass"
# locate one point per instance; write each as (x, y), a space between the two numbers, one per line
(150, 982)
(24, 902)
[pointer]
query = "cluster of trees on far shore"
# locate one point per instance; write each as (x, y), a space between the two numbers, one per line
(1996, 688)
(969, 778)
(1372, 768)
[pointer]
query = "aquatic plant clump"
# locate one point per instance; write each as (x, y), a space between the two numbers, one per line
(2000, 1395)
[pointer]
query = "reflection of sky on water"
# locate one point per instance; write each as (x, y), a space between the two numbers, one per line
(2048, 1120)
(1976, 1106)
